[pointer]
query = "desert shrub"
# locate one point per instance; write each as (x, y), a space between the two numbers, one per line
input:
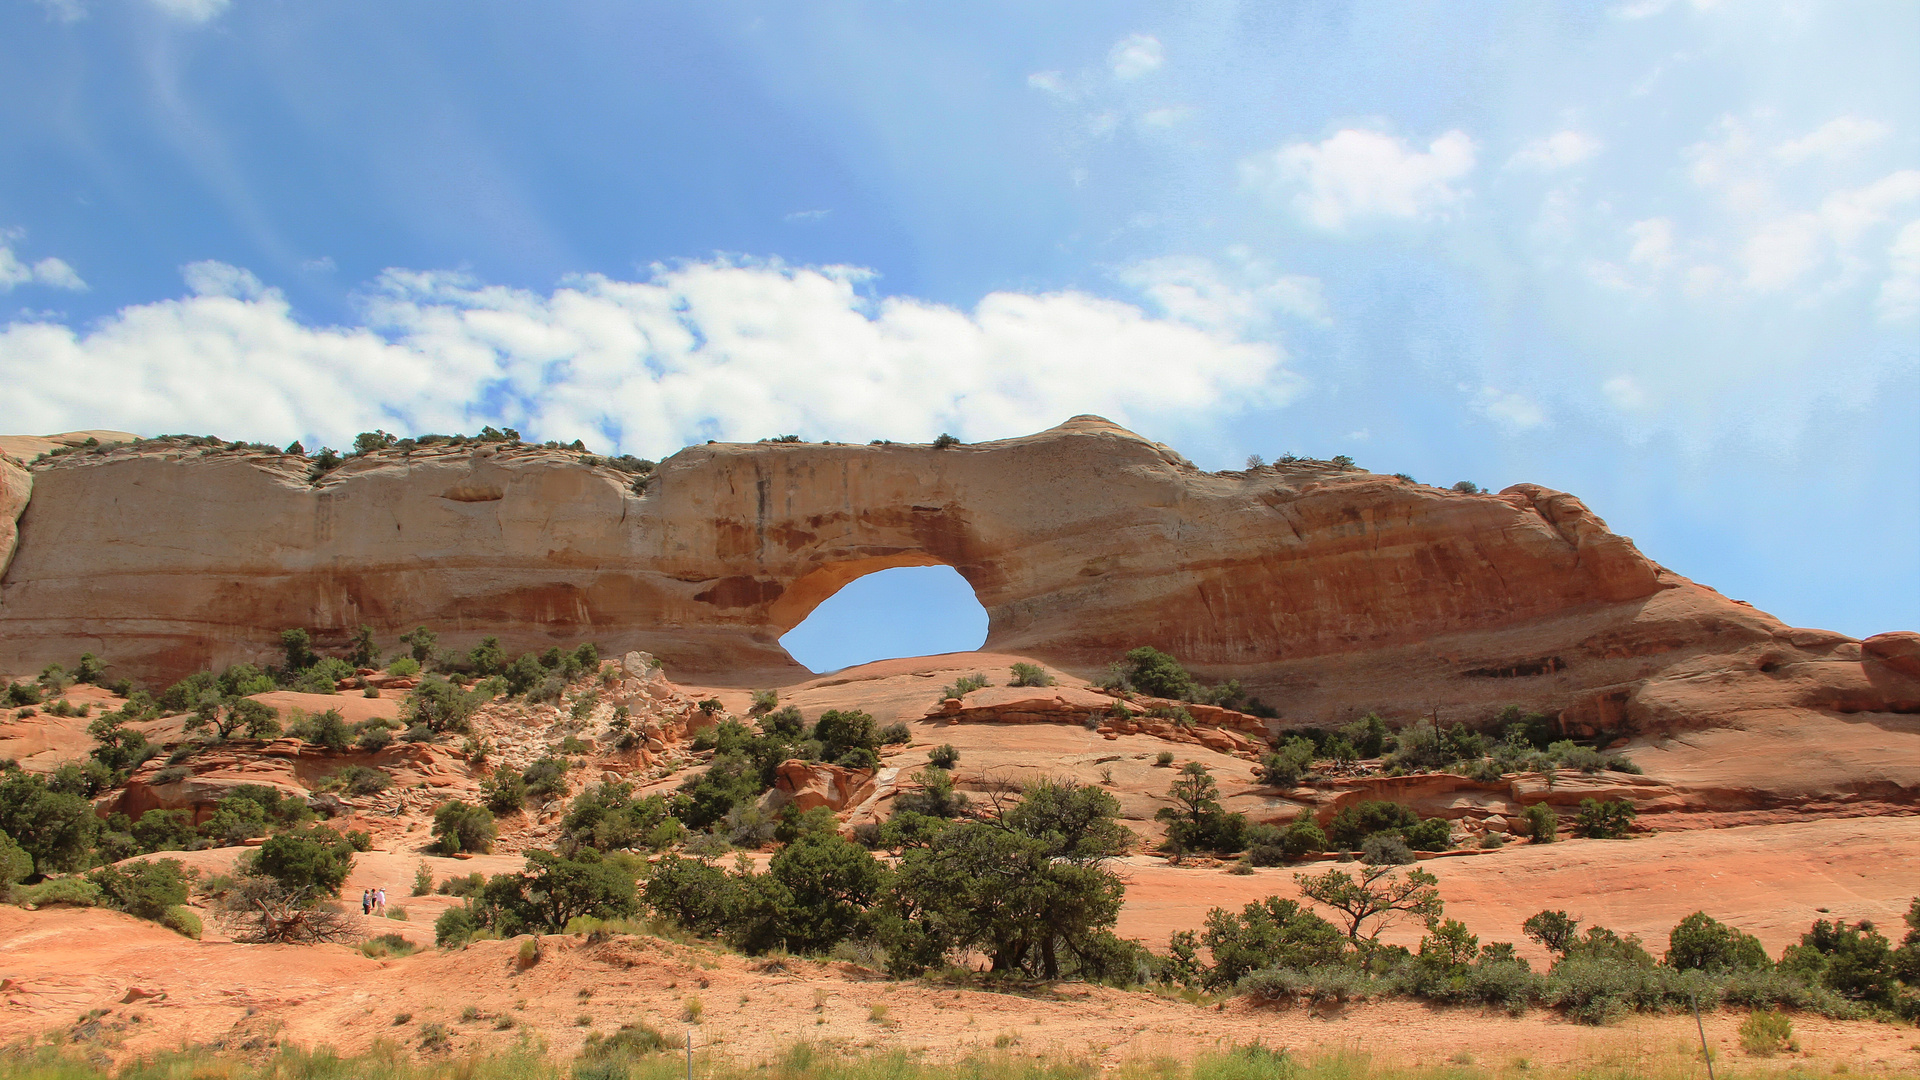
(1766, 1032)
(505, 792)
(404, 667)
(15, 864)
(1286, 765)
(964, 685)
(462, 826)
(604, 1057)
(360, 780)
(164, 830)
(1025, 674)
(374, 738)
(181, 920)
(1593, 991)
(58, 829)
(1196, 821)
(1355, 822)
(1702, 943)
(1275, 933)
(943, 756)
(19, 694)
(144, 889)
(439, 705)
(63, 891)
(323, 677)
(173, 774)
(1568, 754)
(328, 729)
(895, 735)
(547, 777)
(1420, 747)
(1854, 961)
(379, 948)
(1385, 849)
(423, 880)
(315, 861)
(934, 796)
(1542, 824)
(1604, 820)
(1163, 759)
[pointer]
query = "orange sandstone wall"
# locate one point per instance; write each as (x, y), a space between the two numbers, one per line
(1328, 591)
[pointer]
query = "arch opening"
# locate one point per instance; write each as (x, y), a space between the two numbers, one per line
(896, 612)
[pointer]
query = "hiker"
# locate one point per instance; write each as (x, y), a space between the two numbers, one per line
(366, 901)
(380, 901)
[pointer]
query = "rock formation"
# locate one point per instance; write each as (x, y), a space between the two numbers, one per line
(1326, 590)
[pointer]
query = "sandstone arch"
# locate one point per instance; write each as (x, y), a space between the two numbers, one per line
(1312, 583)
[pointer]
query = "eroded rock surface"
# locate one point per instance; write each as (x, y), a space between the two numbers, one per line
(1326, 591)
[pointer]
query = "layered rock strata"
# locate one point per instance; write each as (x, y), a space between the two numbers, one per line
(1326, 591)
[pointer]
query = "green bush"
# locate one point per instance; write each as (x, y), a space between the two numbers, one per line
(964, 685)
(1604, 820)
(943, 756)
(314, 862)
(1286, 765)
(1702, 943)
(895, 735)
(328, 729)
(15, 864)
(1355, 822)
(58, 829)
(404, 667)
(1542, 824)
(1025, 674)
(182, 921)
(145, 890)
(1766, 1033)
(454, 927)
(505, 792)
(68, 891)
(461, 826)
(359, 780)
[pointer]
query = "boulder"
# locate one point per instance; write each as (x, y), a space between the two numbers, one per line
(807, 784)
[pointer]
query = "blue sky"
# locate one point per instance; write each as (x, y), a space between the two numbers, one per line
(1662, 255)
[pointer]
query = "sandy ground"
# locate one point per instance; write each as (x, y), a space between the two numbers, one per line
(1845, 852)
(60, 964)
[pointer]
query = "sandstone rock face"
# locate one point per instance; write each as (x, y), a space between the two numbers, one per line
(1326, 591)
(807, 784)
(16, 485)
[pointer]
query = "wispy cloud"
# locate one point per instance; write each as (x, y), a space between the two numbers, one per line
(195, 11)
(1561, 150)
(1135, 55)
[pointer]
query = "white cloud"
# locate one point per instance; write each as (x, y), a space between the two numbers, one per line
(213, 278)
(1357, 174)
(1053, 82)
(1625, 392)
(1165, 117)
(1513, 411)
(1900, 293)
(1242, 300)
(51, 272)
(1560, 150)
(800, 216)
(197, 11)
(1135, 55)
(719, 349)
(65, 10)
(1839, 137)
(1652, 242)
(1760, 228)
